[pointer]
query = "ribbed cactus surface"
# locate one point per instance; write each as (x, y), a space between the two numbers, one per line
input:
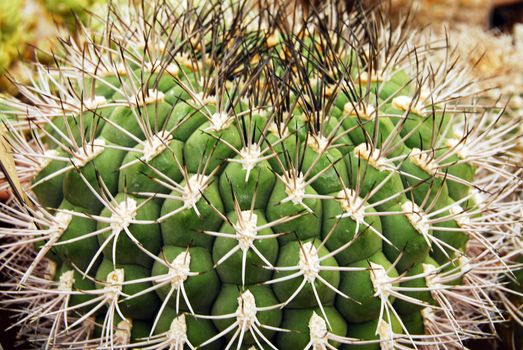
(224, 176)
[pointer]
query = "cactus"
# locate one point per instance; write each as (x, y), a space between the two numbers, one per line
(29, 31)
(227, 177)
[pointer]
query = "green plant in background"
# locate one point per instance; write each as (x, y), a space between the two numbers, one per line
(219, 177)
(66, 8)
(11, 32)
(29, 30)
(69, 12)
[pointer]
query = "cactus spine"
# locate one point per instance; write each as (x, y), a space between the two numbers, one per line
(216, 177)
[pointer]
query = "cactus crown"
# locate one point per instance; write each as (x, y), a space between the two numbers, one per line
(223, 176)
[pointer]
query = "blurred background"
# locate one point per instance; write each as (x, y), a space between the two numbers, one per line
(505, 13)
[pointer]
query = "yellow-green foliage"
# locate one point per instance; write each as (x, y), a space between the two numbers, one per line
(11, 31)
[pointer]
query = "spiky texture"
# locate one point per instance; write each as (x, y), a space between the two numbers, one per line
(224, 176)
(29, 31)
(495, 60)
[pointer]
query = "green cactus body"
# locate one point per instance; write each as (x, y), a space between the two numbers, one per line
(209, 190)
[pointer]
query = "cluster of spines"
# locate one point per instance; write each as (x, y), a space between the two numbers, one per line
(286, 108)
